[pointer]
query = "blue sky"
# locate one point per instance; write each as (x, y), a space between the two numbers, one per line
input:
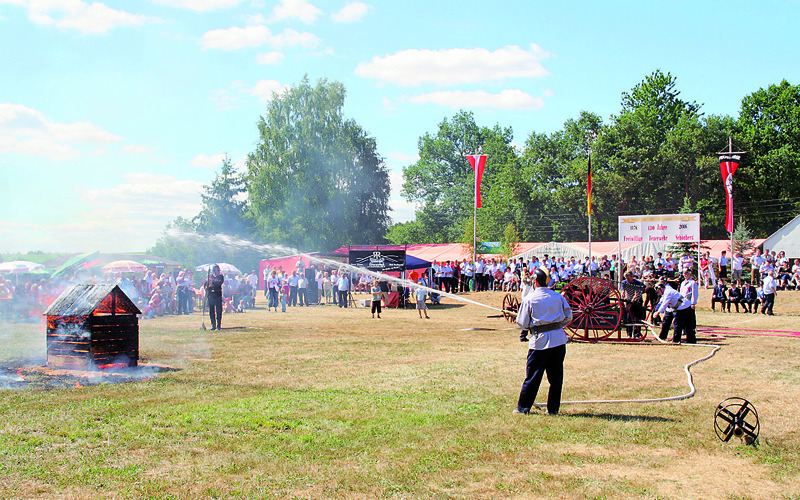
(114, 114)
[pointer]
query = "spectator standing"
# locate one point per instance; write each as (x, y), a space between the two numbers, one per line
(723, 265)
(737, 267)
(302, 288)
(756, 261)
(770, 287)
(686, 317)
(420, 294)
(343, 287)
(293, 280)
(376, 298)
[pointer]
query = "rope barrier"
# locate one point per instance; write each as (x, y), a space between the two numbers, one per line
(690, 381)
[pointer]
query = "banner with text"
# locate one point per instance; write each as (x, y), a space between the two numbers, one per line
(672, 228)
(379, 261)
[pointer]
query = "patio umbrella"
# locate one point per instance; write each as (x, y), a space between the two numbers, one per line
(124, 266)
(73, 263)
(19, 267)
(223, 266)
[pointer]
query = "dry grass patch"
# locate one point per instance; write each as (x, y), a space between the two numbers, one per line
(322, 402)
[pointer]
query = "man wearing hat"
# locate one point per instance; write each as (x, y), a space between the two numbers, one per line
(544, 313)
(214, 295)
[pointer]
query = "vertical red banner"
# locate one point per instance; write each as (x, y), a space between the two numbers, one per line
(478, 163)
(727, 166)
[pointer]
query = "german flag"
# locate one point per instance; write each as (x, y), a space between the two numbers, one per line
(589, 187)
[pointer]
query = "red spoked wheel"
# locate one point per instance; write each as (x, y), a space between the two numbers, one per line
(596, 308)
(510, 307)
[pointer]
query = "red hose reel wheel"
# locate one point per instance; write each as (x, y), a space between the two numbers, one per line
(596, 308)
(510, 307)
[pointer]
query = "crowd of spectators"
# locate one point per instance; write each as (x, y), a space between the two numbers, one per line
(25, 298)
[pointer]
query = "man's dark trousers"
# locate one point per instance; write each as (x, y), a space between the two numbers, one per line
(550, 361)
(215, 311)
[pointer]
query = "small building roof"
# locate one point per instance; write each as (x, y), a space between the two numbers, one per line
(84, 300)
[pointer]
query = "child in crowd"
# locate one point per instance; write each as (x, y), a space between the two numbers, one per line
(376, 298)
(420, 294)
(284, 298)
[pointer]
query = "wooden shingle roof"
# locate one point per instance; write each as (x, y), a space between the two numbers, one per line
(84, 300)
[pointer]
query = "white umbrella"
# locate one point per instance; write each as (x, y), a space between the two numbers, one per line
(223, 266)
(124, 266)
(19, 267)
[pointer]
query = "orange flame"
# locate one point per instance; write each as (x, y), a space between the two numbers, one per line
(78, 385)
(112, 365)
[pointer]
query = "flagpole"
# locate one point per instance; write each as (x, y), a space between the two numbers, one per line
(730, 151)
(475, 218)
(589, 204)
(730, 155)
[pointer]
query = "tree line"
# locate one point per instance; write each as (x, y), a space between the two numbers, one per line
(315, 180)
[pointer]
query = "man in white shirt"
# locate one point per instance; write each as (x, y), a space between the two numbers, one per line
(756, 261)
(686, 317)
(770, 287)
(723, 265)
(737, 267)
(544, 313)
(343, 287)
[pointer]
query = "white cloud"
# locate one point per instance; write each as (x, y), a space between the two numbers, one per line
(263, 89)
(402, 210)
(388, 105)
(94, 18)
(296, 9)
(207, 161)
(254, 36)
(229, 98)
(235, 37)
(26, 131)
(399, 157)
(127, 217)
(137, 149)
(201, 5)
(270, 58)
(507, 99)
(351, 12)
(455, 66)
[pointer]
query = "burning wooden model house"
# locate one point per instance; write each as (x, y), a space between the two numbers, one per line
(92, 326)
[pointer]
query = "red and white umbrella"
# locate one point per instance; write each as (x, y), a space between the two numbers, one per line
(223, 267)
(124, 266)
(19, 267)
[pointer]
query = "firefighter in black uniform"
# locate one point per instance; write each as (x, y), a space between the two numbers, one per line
(214, 296)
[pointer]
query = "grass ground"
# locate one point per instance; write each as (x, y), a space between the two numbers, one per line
(323, 402)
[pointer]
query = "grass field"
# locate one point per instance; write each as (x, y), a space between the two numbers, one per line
(323, 402)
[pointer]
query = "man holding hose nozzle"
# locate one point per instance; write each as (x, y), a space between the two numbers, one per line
(214, 296)
(544, 313)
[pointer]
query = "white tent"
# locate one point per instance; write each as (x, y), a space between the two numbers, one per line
(786, 238)
(580, 250)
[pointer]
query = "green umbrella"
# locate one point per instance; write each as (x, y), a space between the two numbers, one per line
(73, 263)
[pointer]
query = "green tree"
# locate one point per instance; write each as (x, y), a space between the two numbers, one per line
(315, 179)
(554, 169)
(225, 207)
(768, 178)
(406, 233)
(742, 239)
(646, 146)
(510, 242)
(442, 180)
